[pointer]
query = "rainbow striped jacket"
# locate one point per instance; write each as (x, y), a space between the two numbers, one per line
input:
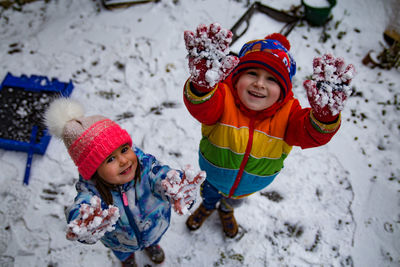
(243, 151)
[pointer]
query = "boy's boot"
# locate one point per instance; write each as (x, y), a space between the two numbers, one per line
(130, 262)
(198, 217)
(155, 253)
(228, 222)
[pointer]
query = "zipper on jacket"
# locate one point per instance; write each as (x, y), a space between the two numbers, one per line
(129, 214)
(245, 158)
(125, 199)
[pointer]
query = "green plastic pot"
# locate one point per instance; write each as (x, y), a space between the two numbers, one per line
(318, 15)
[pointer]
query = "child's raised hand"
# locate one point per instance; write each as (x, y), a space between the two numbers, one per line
(92, 222)
(183, 191)
(329, 87)
(208, 50)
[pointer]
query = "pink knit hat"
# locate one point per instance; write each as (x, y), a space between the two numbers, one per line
(89, 140)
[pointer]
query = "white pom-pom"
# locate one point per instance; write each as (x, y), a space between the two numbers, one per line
(60, 112)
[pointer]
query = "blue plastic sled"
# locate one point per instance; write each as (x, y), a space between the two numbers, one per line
(37, 84)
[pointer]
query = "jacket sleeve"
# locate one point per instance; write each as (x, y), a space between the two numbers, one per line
(306, 131)
(156, 172)
(153, 172)
(84, 195)
(206, 108)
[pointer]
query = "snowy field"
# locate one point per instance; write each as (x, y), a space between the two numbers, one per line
(337, 205)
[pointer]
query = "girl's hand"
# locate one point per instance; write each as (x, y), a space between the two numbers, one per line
(208, 50)
(183, 191)
(92, 222)
(329, 88)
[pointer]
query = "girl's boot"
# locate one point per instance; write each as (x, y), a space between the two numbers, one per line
(155, 253)
(130, 262)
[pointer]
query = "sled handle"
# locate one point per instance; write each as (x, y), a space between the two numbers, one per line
(30, 154)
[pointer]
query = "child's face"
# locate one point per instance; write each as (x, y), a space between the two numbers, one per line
(258, 89)
(120, 166)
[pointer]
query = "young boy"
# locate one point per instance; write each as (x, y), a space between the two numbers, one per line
(250, 120)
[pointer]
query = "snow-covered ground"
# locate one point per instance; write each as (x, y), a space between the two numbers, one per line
(336, 205)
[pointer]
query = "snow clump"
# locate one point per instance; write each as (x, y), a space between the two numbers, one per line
(92, 222)
(332, 78)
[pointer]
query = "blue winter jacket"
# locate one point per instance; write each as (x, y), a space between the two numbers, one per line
(146, 218)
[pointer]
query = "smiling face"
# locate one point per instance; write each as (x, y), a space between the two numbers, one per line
(257, 89)
(119, 167)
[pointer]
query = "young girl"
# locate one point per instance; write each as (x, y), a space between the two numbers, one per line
(124, 195)
(250, 120)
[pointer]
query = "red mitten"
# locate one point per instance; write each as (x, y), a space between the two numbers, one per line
(92, 222)
(329, 88)
(209, 62)
(183, 191)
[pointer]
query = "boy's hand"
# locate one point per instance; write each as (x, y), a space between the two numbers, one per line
(208, 50)
(329, 88)
(92, 222)
(183, 191)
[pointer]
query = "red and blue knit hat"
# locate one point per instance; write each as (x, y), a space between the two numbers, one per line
(272, 54)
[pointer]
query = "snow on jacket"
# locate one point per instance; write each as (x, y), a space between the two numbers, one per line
(147, 216)
(242, 150)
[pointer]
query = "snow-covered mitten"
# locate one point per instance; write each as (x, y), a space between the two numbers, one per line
(329, 88)
(92, 222)
(183, 191)
(209, 62)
